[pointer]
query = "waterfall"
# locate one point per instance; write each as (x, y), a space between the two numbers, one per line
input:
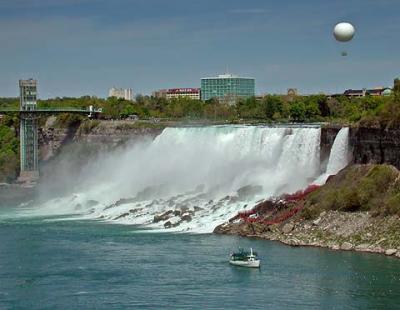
(193, 179)
(339, 156)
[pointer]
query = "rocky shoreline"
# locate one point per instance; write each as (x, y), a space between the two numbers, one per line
(333, 229)
(355, 210)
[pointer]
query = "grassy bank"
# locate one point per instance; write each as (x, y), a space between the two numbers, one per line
(372, 188)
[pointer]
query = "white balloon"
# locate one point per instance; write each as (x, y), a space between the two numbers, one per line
(344, 32)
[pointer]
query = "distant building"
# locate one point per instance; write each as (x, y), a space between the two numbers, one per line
(193, 93)
(227, 87)
(357, 93)
(292, 92)
(121, 93)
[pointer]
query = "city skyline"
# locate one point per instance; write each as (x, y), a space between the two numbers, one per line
(83, 47)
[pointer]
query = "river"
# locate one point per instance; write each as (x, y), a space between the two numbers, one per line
(50, 263)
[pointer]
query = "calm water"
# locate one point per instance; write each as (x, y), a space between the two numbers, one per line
(47, 264)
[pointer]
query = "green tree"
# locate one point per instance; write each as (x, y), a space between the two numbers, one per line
(396, 89)
(298, 111)
(273, 106)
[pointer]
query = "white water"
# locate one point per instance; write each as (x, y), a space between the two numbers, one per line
(195, 170)
(339, 157)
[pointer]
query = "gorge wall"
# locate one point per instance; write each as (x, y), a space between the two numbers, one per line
(368, 145)
(375, 145)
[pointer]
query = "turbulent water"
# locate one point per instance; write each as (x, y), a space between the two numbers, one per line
(193, 179)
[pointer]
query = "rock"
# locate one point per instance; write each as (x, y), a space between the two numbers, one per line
(121, 216)
(197, 209)
(362, 247)
(346, 246)
(168, 225)
(317, 221)
(162, 217)
(288, 228)
(177, 212)
(186, 218)
(390, 252)
(398, 254)
(124, 201)
(293, 242)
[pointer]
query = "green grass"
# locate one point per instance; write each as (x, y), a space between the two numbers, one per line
(374, 188)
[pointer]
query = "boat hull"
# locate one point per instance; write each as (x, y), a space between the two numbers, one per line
(249, 264)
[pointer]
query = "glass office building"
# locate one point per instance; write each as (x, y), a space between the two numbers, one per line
(227, 87)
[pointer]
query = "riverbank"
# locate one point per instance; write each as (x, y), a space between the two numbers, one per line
(334, 230)
(335, 217)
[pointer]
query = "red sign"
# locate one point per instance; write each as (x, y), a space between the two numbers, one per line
(183, 91)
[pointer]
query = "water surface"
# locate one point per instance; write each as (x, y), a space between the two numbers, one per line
(52, 264)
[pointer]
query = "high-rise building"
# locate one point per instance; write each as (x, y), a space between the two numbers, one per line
(227, 87)
(193, 93)
(28, 130)
(121, 93)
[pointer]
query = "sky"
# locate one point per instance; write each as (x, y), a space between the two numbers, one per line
(85, 47)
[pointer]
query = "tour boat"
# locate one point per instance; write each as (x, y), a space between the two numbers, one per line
(245, 259)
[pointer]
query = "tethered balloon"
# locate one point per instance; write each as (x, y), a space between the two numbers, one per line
(344, 32)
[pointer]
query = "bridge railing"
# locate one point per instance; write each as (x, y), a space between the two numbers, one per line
(55, 109)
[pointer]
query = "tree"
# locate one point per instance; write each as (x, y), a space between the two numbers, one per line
(273, 106)
(396, 89)
(297, 111)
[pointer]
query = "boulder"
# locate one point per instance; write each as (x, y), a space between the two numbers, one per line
(177, 212)
(390, 252)
(162, 217)
(186, 218)
(335, 247)
(317, 221)
(288, 228)
(346, 246)
(362, 247)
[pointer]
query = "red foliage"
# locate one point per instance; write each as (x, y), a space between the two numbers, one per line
(296, 197)
(300, 195)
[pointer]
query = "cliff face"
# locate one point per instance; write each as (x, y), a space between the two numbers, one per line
(101, 135)
(369, 145)
(328, 135)
(376, 146)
